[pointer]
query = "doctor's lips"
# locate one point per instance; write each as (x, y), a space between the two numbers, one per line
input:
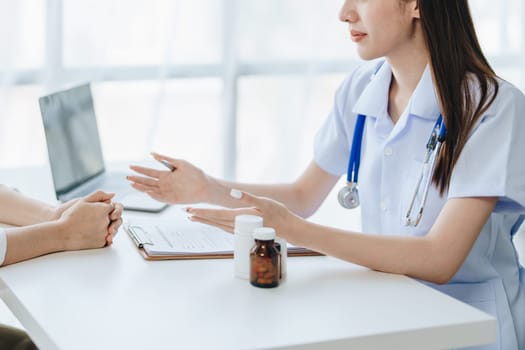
(357, 35)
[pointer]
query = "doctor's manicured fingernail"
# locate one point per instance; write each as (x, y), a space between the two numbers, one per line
(236, 193)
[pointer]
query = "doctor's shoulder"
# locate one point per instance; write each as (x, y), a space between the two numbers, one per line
(508, 107)
(495, 145)
(510, 94)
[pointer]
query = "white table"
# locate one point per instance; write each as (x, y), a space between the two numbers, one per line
(113, 299)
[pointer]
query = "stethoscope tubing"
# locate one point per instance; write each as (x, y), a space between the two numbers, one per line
(355, 153)
(433, 147)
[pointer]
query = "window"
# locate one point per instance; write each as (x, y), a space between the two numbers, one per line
(238, 87)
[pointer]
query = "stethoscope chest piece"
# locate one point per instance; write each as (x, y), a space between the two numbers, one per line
(348, 196)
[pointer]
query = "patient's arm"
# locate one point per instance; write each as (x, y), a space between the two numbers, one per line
(19, 210)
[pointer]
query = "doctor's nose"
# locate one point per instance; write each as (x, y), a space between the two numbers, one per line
(347, 12)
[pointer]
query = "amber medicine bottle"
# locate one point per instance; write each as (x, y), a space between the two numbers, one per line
(265, 259)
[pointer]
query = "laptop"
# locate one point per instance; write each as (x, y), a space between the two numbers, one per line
(75, 151)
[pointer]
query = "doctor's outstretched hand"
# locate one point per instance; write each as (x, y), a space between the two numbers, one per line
(183, 185)
(274, 214)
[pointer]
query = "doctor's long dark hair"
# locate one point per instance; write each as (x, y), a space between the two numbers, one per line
(466, 84)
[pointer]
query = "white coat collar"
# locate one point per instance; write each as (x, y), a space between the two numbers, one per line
(424, 102)
(373, 101)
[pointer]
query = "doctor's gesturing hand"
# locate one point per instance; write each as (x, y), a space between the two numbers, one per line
(184, 184)
(274, 214)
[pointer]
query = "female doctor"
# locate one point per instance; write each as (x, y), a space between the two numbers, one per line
(454, 233)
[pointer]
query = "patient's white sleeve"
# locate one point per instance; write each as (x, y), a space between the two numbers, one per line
(3, 246)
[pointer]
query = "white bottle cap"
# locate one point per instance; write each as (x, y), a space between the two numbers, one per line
(264, 233)
(244, 224)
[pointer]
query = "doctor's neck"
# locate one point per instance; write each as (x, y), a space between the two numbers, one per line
(408, 65)
(406, 74)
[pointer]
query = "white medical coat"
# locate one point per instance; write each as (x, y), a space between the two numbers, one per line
(492, 163)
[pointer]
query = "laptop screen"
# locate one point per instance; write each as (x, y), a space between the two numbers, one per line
(73, 143)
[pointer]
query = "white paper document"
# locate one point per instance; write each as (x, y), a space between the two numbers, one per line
(179, 237)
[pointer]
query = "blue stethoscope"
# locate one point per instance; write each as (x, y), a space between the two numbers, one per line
(349, 195)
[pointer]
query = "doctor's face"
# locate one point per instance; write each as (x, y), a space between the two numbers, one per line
(380, 27)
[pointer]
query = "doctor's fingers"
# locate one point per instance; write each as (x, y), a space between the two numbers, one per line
(141, 188)
(146, 171)
(221, 215)
(228, 228)
(222, 222)
(144, 181)
(173, 161)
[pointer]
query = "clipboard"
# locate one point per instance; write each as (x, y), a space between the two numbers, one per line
(166, 241)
